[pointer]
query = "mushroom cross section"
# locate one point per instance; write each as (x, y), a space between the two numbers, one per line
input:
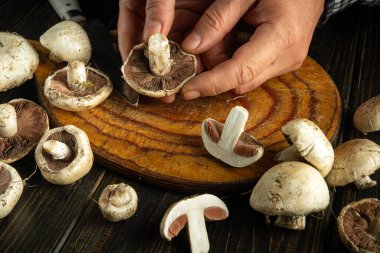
(228, 142)
(11, 187)
(193, 212)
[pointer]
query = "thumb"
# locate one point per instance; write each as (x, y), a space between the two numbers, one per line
(159, 17)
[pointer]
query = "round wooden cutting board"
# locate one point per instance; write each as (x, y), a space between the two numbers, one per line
(161, 144)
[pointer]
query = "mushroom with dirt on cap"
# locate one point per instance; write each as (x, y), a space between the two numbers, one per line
(228, 142)
(64, 155)
(193, 211)
(158, 68)
(290, 191)
(11, 187)
(359, 225)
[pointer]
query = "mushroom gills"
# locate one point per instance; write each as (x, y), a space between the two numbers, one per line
(291, 222)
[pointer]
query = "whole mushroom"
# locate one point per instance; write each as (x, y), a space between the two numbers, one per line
(64, 155)
(367, 116)
(18, 60)
(11, 187)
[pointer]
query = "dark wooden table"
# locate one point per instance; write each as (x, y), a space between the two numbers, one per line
(51, 218)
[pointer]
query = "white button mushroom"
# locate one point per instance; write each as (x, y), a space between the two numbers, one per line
(290, 191)
(11, 187)
(18, 60)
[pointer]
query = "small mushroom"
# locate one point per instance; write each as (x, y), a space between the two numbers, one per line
(158, 68)
(311, 144)
(354, 161)
(64, 155)
(22, 124)
(359, 225)
(367, 116)
(11, 187)
(67, 41)
(193, 210)
(290, 191)
(18, 60)
(228, 142)
(77, 87)
(118, 202)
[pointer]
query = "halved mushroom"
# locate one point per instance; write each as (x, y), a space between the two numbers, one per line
(11, 187)
(228, 142)
(311, 144)
(18, 60)
(64, 155)
(290, 191)
(158, 68)
(367, 116)
(67, 41)
(118, 202)
(359, 225)
(77, 87)
(22, 124)
(354, 161)
(193, 211)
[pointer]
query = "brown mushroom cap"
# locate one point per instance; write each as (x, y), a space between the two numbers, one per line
(356, 223)
(32, 123)
(137, 74)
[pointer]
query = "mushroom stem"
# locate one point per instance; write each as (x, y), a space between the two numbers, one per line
(59, 150)
(8, 120)
(291, 222)
(233, 128)
(197, 231)
(119, 196)
(365, 182)
(76, 75)
(374, 228)
(159, 54)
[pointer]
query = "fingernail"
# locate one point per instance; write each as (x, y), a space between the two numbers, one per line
(192, 41)
(151, 28)
(191, 95)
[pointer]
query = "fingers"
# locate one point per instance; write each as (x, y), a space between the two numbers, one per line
(159, 17)
(217, 20)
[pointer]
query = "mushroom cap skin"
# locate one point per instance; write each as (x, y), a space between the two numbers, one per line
(311, 143)
(290, 189)
(65, 172)
(58, 94)
(355, 222)
(354, 160)
(67, 41)
(115, 213)
(32, 123)
(136, 72)
(11, 187)
(18, 60)
(367, 116)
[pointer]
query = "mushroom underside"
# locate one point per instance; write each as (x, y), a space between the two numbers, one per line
(5, 180)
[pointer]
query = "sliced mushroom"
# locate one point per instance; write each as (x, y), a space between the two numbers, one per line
(228, 142)
(22, 124)
(68, 164)
(18, 60)
(192, 211)
(359, 225)
(149, 71)
(310, 142)
(77, 87)
(67, 41)
(11, 187)
(354, 161)
(118, 202)
(290, 191)
(367, 116)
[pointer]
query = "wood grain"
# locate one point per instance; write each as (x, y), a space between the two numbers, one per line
(161, 143)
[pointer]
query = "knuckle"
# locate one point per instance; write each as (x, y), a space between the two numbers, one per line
(246, 72)
(155, 7)
(214, 19)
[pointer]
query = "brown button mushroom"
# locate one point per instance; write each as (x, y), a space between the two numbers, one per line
(290, 191)
(228, 142)
(193, 212)
(11, 187)
(354, 161)
(77, 87)
(22, 124)
(64, 155)
(18, 60)
(118, 202)
(367, 116)
(158, 68)
(359, 225)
